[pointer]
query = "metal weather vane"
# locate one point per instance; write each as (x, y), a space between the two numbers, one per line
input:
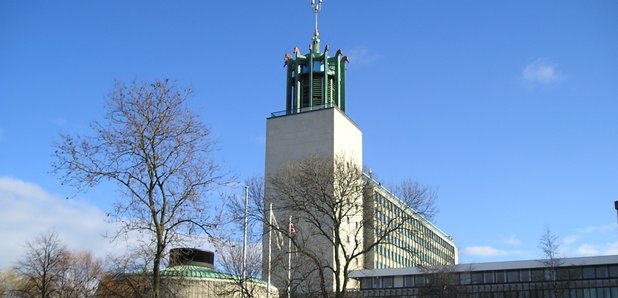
(317, 6)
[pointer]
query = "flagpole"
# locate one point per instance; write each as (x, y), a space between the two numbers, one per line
(244, 244)
(289, 255)
(270, 225)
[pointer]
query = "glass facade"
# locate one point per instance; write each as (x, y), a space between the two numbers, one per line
(570, 280)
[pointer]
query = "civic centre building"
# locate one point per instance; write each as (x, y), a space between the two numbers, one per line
(314, 123)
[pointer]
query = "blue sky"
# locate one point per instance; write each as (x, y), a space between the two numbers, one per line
(509, 109)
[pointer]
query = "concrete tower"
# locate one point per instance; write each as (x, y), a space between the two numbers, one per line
(313, 124)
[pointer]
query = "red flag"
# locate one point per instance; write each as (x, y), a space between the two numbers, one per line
(292, 230)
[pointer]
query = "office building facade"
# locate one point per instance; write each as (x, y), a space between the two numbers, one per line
(584, 277)
(417, 242)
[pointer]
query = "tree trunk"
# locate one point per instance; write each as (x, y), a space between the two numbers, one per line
(156, 273)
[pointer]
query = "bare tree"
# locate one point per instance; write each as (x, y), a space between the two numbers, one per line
(229, 245)
(231, 261)
(419, 197)
(43, 266)
(10, 283)
(549, 243)
(156, 150)
(82, 276)
(329, 203)
(49, 269)
(127, 276)
(441, 281)
(236, 206)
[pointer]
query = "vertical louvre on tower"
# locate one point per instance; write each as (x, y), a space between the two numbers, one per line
(331, 91)
(315, 80)
(315, 91)
(316, 98)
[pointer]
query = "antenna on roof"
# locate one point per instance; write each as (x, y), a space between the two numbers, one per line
(316, 8)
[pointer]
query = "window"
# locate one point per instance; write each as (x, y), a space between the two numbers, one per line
(419, 280)
(489, 277)
(477, 277)
(537, 274)
(588, 272)
(602, 272)
(550, 274)
(512, 276)
(575, 273)
(398, 281)
(613, 270)
(562, 274)
(387, 282)
(376, 283)
(408, 281)
(464, 278)
(608, 292)
(500, 277)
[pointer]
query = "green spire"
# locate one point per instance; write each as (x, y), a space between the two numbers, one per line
(316, 34)
(315, 80)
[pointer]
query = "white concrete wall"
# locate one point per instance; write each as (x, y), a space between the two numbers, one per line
(327, 132)
(300, 136)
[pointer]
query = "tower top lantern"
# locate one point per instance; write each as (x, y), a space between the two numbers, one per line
(315, 80)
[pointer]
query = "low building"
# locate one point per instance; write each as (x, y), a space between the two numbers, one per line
(586, 277)
(191, 274)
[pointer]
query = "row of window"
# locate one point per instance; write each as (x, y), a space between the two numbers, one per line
(386, 208)
(394, 257)
(497, 277)
(605, 292)
(539, 274)
(415, 237)
(609, 292)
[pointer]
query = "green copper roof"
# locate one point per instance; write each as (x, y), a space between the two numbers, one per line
(194, 271)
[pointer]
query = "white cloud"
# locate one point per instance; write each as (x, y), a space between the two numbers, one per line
(363, 56)
(598, 229)
(587, 250)
(541, 72)
(597, 250)
(611, 249)
(513, 240)
(27, 210)
(484, 251)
